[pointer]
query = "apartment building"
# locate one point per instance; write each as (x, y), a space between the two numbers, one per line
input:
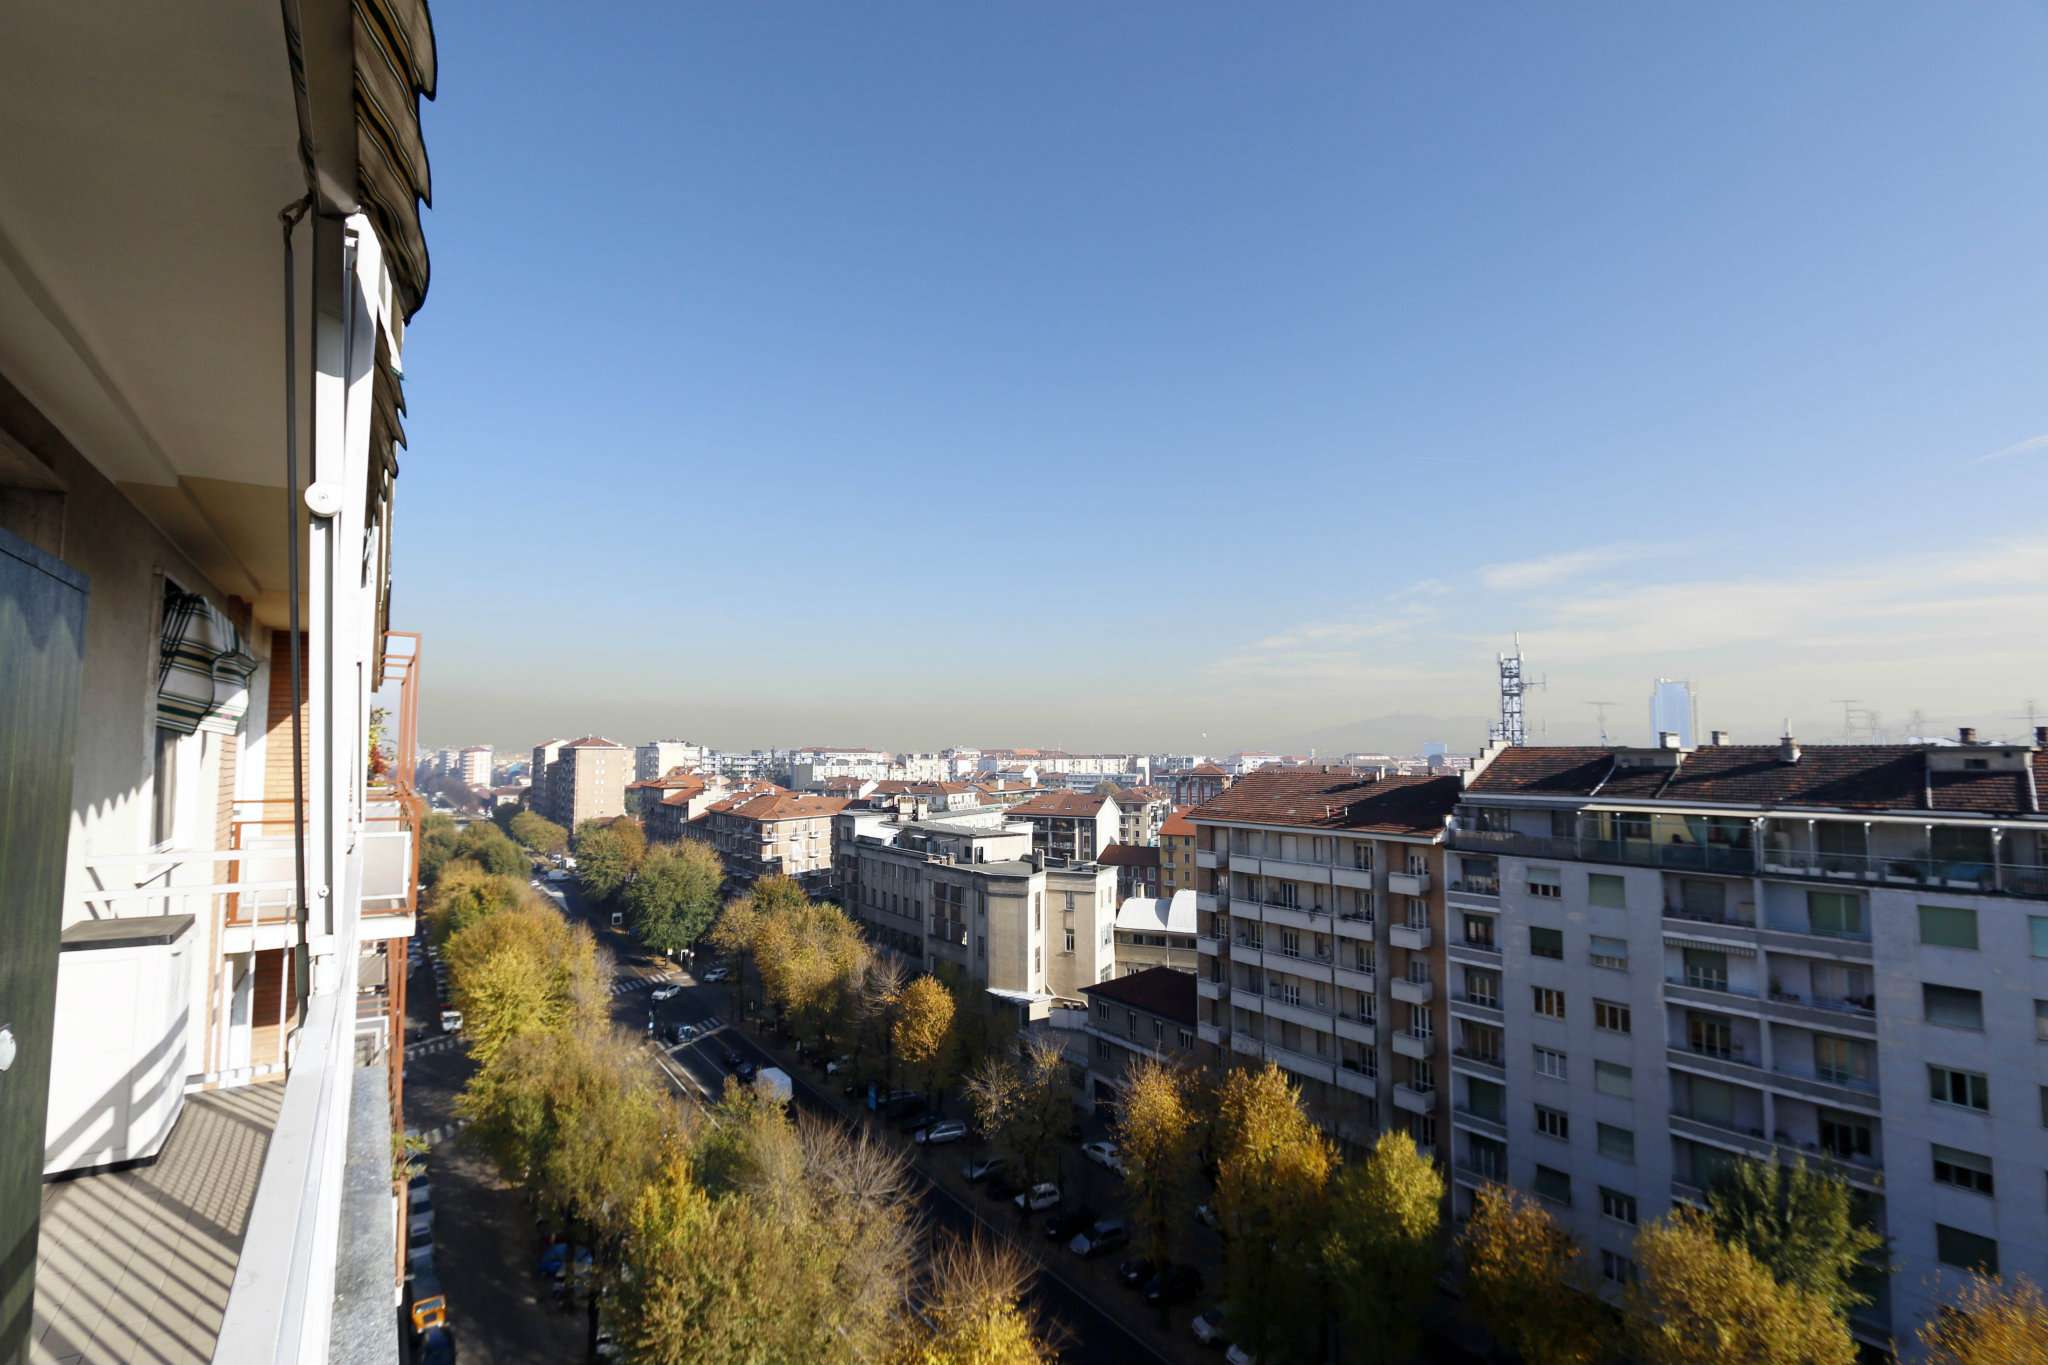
(544, 756)
(473, 766)
(773, 832)
(647, 793)
(1176, 854)
(1157, 931)
(1145, 1014)
(1137, 869)
(209, 872)
(1202, 783)
(659, 757)
(968, 889)
(1069, 826)
(1665, 961)
(1140, 813)
(587, 780)
(1321, 941)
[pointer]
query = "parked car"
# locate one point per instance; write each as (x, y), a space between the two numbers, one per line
(437, 1347)
(420, 1223)
(746, 1071)
(982, 1167)
(837, 1065)
(682, 1033)
(1107, 1235)
(1210, 1327)
(1238, 1355)
(945, 1130)
(1103, 1154)
(1045, 1195)
(667, 990)
(419, 1253)
(714, 976)
(1070, 1223)
(1174, 1284)
(1135, 1271)
(729, 1058)
(419, 1196)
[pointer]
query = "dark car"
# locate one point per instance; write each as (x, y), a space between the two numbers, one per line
(1175, 1284)
(730, 1058)
(1063, 1227)
(1107, 1235)
(437, 1347)
(1136, 1272)
(746, 1071)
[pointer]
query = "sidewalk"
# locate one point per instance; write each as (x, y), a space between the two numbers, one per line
(1166, 1333)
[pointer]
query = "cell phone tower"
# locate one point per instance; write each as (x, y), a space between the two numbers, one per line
(1510, 726)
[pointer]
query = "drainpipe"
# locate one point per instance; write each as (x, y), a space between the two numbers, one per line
(288, 219)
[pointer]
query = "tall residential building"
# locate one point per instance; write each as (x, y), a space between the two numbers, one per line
(544, 756)
(1140, 812)
(660, 757)
(1322, 943)
(1667, 961)
(587, 781)
(969, 890)
(1069, 826)
(474, 765)
(1176, 854)
(209, 874)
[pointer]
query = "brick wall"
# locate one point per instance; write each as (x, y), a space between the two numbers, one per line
(277, 723)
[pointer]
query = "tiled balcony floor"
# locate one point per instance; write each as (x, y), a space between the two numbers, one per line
(135, 1265)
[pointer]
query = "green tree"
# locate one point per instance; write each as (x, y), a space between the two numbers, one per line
(487, 847)
(464, 894)
(1991, 1322)
(924, 1028)
(521, 971)
(1272, 1173)
(1380, 1247)
(674, 897)
(1800, 1223)
(1156, 1136)
(537, 833)
(1701, 1301)
(437, 844)
(1526, 1284)
(608, 852)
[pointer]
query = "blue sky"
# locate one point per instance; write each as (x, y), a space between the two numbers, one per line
(1124, 374)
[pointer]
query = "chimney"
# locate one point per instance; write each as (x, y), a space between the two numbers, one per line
(2041, 736)
(1719, 738)
(1667, 739)
(1966, 735)
(1788, 749)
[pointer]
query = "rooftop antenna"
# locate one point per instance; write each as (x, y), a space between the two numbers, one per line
(1600, 715)
(1512, 726)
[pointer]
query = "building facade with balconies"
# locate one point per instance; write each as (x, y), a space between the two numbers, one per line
(1664, 961)
(208, 748)
(1145, 1014)
(1320, 941)
(1069, 827)
(773, 832)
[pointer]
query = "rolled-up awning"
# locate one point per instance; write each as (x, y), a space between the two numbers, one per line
(203, 671)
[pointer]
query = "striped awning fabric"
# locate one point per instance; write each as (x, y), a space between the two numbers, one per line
(203, 674)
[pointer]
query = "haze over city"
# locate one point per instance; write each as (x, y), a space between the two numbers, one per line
(1214, 370)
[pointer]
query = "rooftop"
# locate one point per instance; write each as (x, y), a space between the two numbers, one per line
(777, 804)
(593, 742)
(1128, 855)
(1336, 799)
(1070, 804)
(1138, 796)
(1158, 914)
(1156, 990)
(1177, 825)
(1824, 776)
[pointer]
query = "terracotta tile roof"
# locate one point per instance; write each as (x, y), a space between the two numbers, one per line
(1206, 770)
(1336, 798)
(1139, 796)
(1061, 803)
(777, 804)
(1177, 825)
(593, 742)
(1128, 855)
(1156, 990)
(1827, 776)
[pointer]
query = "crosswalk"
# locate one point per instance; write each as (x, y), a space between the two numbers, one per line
(434, 1137)
(427, 1047)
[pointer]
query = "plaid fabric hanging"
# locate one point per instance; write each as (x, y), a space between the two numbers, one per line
(203, 671)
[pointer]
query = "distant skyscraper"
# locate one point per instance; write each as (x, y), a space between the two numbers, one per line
(1671, 711)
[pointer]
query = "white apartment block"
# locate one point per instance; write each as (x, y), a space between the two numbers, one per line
(660, 757)
(1664, 961)
(1319, 921)
(474, 765)
(968, 890)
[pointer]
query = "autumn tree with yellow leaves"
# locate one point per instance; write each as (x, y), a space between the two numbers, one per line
(1526, 1283)
(1273, 1169)
(1701, 1301)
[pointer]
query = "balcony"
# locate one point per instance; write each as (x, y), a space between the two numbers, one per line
(1844, 1093)
(1864, 1173)
(1298, 1010)
(1210, 858)
(1282, 916)
(1312, 966)
(1415, 938)
(1412, 992)
(1245, 1045)
(1737, 926)
(1420, 1046)
(1479, 952)
(1356, 1081)
(1358, 1029)
(1487, 1064)
(1464, 1116)
(1356, 979)
(1354, 924)
(1209, 945)
(1483, 1008)
(1414, 1099)
(1857, 1015)
(1249, 1001)
(1212, 1034)
(1881, 869)
(1483, 889)
(1408, 883)
(1700, 991)
(1475, 1174)
(1302, 1064)
(1246, 954)
(1725, 859)
(1208, 989)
